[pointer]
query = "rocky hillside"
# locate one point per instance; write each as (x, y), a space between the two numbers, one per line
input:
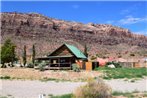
(49, 33)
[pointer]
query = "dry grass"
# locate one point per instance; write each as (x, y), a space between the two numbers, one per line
(94, 89)
(134, 94)
(32, 74)
(119, 95)
(20, 73)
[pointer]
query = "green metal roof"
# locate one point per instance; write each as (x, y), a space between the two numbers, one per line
(76, 51)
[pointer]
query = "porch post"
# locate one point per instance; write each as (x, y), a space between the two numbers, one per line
(71, 59)
(59, 63)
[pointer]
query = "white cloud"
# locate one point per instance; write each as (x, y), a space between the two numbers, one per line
(141, 32)
(131, 20)
(128, 20)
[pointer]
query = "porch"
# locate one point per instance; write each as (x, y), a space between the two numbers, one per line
(58, 62)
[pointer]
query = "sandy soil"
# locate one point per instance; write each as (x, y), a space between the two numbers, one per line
(32, 89)
(32, 74)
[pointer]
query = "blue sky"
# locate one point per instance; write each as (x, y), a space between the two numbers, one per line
(127, 14)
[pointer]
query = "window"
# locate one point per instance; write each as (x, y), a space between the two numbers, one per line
(64, 60)
(54, 61)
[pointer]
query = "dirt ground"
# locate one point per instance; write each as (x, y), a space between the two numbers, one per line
(33, 74)
(31, 89)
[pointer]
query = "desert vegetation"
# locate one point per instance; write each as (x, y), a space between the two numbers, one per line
(134, 94)
(8, 96)
(93, 89)
(62, 96)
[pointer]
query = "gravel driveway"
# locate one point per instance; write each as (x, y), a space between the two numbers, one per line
(32, 89)
(126, 86)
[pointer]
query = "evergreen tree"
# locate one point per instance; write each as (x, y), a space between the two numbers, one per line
(85, 51)
(33, 54)
(24, 56)
(8, 52)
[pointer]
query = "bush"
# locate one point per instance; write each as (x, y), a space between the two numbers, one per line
(75, 68)
(42, 65)
(30, 65)
(5, 77)
(93, 57)
(132, 54)
(63, 96)
(3, 66)
(36, 63)
(94, 89)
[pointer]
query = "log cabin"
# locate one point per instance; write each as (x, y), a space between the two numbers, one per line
(64, 56)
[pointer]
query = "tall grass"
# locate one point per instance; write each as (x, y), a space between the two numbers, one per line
(62, 96)
(117, 73)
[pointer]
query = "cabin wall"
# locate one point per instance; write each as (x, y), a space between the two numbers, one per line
(62, 51)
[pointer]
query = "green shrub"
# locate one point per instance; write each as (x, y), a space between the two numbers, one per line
(93, 57)
(42, 65)
(36, 63)
(30, 65)
(3, 97)
(125, 94)
(3, 66)
(5, 77)
(94, 89)
(63, 96)
(75, 68)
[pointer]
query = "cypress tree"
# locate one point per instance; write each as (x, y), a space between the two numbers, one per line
(33, 54)
(85, 51)
(24, 56)
(13, 57)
